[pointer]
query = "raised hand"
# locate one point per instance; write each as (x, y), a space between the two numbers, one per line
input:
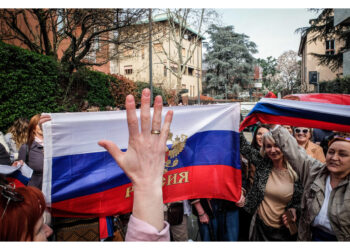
(143, 162)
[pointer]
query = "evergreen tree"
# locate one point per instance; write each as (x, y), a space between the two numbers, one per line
(229, 59)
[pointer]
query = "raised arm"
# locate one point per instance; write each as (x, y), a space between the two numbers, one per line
(143, 163)
(300, 161)
(248, 151)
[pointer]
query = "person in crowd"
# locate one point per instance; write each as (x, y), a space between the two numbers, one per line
(318, 135)
(289, 128)
(21, 212)
(218, 220)
(324, 143)
(3, 142)
(32, 153)
(176, 214)
(260, 130)
(248, 173)
(143, 165)
(4, 156)
(248, 168)
(325, 201)
(16, 136)
(303, 136)
(276, 190)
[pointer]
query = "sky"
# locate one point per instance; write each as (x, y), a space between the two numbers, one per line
(273, 30)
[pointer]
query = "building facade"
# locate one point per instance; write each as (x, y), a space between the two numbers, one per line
(27, 23)
(131, 61)
(134, 63)
(311, 72)
(342, 16)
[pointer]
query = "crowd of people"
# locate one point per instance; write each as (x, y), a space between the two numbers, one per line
(293, 188)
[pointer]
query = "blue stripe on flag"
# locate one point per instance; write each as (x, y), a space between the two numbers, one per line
(84, 174)
(275, 109)
(110, 224)
(18, 175)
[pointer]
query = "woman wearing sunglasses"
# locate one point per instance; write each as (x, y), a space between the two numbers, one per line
(326, 198)
(303, 136)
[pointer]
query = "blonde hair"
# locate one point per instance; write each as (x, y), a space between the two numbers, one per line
(268, 137)
(19, 131)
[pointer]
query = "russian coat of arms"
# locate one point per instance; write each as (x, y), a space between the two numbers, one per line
(178, 145)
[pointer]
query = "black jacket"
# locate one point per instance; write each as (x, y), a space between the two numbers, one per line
(4, 156)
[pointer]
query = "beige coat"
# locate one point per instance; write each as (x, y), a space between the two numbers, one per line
(313, 175)
(315, 151)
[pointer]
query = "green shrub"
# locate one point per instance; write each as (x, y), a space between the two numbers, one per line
(338, 85)
(92, 86)
(29, 84)
(156, 91)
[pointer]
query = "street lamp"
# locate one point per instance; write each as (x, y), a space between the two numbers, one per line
(200, 72)
(150, 52)
(198, 75)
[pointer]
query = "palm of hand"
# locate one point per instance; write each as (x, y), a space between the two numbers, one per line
(144, 156)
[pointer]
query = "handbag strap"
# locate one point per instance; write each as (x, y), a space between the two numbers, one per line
(27, 153)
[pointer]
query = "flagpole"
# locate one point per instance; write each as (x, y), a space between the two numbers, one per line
(150, 53)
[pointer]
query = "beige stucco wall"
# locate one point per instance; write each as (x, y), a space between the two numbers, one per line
(310, 63)
(140, 64)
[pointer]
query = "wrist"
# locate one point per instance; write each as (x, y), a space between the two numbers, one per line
(200, 215)
(146, 186)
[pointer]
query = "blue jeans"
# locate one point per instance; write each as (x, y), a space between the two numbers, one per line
(224, 226)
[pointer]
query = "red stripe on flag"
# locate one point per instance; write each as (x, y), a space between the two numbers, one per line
(15, 181)
(213, 181)
(103, 228)
(292, 121)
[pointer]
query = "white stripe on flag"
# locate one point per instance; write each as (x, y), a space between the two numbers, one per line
(78, 133)
(327, 108)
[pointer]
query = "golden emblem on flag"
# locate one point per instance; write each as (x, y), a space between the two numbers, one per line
(178, 146)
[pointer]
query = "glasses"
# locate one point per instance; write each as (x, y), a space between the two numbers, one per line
(305, 131)
(9, 193)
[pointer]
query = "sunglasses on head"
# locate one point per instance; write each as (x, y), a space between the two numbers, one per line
(342, 137)
(305, 130)
(8, 192)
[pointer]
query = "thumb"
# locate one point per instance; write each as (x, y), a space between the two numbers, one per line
(112, 149)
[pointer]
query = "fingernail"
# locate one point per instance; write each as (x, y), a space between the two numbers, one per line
(130, 98)
(146, 92)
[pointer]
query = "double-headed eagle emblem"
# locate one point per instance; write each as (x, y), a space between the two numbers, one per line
(177, 147)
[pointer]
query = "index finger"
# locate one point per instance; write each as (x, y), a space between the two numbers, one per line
(131, 117)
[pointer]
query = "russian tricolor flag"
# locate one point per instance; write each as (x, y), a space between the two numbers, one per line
(19, 175)
(82, 179)
(298, 113)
